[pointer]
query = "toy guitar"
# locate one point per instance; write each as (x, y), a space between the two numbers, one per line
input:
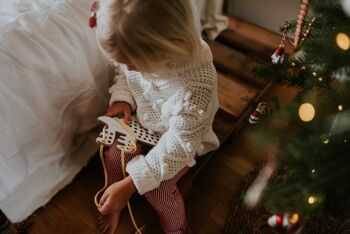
(126, 137)
(131, 133)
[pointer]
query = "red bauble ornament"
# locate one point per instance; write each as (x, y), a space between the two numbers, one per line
(261, 110)
(287, 222)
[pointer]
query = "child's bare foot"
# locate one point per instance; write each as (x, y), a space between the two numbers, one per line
(107, 224)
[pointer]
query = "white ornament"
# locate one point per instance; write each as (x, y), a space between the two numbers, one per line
(346, 6)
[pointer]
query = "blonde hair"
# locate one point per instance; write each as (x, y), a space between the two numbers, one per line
(147, 32)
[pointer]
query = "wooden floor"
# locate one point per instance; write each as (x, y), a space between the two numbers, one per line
(72, 210)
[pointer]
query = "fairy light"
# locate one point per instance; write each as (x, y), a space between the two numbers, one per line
(320, 79)
(340, 107)
(326, 141)
(314, 74)
(343, 41)
(313, 171)
(294, 218)
(311, 200)
(307, 112)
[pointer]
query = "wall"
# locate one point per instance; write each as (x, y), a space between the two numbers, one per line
(270, 14)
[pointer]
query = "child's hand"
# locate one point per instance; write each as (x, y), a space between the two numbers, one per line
(116, 196)
(120, 108)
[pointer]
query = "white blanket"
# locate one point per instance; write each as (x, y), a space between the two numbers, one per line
(53, 85)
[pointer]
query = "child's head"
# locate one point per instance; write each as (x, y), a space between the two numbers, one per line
(146, 33)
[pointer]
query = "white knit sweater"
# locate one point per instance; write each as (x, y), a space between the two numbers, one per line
(179, 103)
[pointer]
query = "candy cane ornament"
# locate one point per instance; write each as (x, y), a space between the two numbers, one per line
(301, 18)
(278, 56)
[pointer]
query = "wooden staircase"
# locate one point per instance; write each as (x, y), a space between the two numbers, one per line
(236, 52)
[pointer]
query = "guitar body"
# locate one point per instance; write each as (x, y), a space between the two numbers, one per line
(120, 143)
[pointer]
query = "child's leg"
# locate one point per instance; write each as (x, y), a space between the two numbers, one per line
(112, 157)
(169, 204)
(113, 162)
(109, 223)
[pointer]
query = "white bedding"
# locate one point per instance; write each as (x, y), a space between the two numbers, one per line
(53, 85)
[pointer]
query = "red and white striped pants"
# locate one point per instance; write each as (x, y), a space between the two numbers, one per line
(166, 199)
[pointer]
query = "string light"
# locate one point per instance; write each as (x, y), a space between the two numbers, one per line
(311, 200)
(343, 41)
(306, 112)
(340, 107)
(325, 139)
(313, 171)
(314, 74)
(294, 218)
(320, 79)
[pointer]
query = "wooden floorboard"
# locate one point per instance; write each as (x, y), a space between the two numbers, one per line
(235, 62)
(252, 38)
(231, 92)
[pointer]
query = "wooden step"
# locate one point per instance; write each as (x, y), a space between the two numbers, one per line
(251, 38)
(231, 90)
(235, 62)
(239, 42)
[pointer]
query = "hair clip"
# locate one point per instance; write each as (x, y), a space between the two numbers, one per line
(92, 19)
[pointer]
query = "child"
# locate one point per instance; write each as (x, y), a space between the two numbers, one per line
(167, 76)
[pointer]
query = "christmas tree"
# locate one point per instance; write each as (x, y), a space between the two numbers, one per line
(311, 133)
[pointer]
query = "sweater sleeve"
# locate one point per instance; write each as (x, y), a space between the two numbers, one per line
(179, 144)
(120, 90)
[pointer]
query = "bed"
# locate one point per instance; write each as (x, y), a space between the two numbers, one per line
(53, 86)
